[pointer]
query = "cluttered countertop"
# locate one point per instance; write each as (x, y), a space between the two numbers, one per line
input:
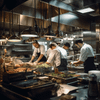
(23, 79)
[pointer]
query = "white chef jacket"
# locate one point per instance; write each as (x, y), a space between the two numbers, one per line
(54, 57)
(40, 50)
(62, 52)
(48, 52)
(85, 52)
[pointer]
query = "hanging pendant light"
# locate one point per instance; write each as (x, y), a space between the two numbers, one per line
(14, 37)
(31, 32)
(2, 35)
(50, 34)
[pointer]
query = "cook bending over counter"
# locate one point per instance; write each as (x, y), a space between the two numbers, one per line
(39, 51)
(58, 56)
(86, 56)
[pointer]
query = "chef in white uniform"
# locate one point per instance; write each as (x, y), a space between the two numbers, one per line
(53, 55)
(66, 47)
(86, 56)
(63, 56)
(63, 52)
(39, 51)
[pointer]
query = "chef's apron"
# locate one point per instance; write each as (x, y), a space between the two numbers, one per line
(63, 65)
(89, 64)
(43, 58)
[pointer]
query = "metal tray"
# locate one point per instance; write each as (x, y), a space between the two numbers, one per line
(30, 88)
(15, 76)
(62, 80)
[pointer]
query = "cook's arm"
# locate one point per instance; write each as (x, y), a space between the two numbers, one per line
(42, 53)
(32, 58)
(50, 58)
(83, 57)
(40, 57)
(34, 54)
(78, 62)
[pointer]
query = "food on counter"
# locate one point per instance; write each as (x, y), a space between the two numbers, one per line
(43, 65)
(17, 65)
(63, 75)
(16, 70)
(19, 69)
(40, 63)
(29, 69)
(27, 64)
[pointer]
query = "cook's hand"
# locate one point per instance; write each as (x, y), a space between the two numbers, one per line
(5, 51)
(47, 63)
(30, 61)
(72, 63)
(35, 63)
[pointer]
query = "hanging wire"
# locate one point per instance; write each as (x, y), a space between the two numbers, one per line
(19, 25)
(12, 21)
(58, 28)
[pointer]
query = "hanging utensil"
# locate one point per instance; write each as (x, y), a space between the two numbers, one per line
(19, 27)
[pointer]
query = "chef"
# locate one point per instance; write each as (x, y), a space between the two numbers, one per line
(53, 56)
(66, 46)
(39, 51)
(63, 56)
(86, 56)
(63, 52)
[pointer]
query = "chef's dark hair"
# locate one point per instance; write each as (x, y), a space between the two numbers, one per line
(78, 41)
(67, 44)
(52, 45)
(35, 41)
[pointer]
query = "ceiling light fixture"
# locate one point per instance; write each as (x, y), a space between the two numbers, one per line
(32, 32)
(85, 10)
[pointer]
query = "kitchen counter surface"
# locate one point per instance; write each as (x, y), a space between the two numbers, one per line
(81, 94)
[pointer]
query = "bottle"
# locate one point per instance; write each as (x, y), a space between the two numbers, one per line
(93, 87)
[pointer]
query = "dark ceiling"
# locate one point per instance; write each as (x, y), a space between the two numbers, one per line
(67, 7)
(73, 5)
